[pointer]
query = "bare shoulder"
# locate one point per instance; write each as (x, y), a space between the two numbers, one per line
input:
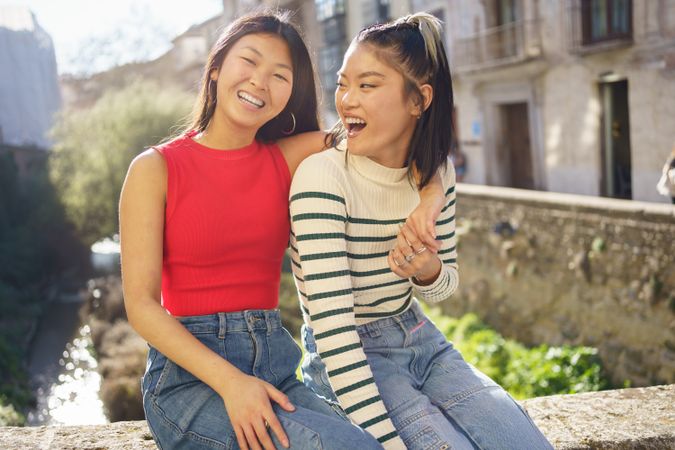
(296, 148)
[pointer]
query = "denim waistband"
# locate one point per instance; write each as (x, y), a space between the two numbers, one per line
(238, 321)
(413, 314)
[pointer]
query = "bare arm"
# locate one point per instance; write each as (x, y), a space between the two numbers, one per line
(142, 205)
(296, 148)
(422, 221)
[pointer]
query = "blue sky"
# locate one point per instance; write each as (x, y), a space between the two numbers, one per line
(90, 35)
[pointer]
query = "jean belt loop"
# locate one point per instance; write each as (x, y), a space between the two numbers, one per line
(373, 329)
(268, 321)
(222, 325)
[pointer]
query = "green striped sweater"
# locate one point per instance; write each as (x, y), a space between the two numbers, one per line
(345, 215)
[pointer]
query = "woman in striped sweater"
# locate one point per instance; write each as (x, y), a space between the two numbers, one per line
(369, 345)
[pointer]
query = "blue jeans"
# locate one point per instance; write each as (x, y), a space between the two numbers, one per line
(184, 413)
(435, 399)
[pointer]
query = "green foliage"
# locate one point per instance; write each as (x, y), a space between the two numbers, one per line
(524, 372)
(9, 417)
(93, 149)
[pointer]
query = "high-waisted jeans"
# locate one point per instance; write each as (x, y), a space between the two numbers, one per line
(185, 413)
(435, 399)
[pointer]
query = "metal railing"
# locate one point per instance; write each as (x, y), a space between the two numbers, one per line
(506, 44)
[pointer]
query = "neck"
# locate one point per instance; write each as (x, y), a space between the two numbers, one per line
(222, 135)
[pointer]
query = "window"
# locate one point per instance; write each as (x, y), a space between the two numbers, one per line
(325, 9)
(605, 20)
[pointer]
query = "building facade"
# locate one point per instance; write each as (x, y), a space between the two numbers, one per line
(574, 96)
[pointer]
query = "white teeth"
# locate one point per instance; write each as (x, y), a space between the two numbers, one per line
(354, 120)
(249, 98)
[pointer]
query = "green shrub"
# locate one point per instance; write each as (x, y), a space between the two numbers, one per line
(523, 372)
(9, 417)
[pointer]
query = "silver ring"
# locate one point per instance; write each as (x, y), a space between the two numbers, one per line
(420, 250)
(410, 257)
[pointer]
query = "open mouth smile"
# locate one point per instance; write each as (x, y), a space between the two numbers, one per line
(249, 99)
(354, 125)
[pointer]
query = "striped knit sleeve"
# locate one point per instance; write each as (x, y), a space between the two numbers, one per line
(448, 280)
(318, 220)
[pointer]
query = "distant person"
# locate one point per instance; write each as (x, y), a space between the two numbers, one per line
(458, 159)
(666, 185)
(204, 225)
(369, 345)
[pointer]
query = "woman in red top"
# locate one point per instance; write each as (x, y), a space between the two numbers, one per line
(204, 224)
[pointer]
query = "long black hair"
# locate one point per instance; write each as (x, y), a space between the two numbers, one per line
(302, 102)
(413, 46)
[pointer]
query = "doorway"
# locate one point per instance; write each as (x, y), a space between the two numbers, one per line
(514, 152)
(616, 180)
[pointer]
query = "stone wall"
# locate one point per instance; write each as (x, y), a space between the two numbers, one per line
(565, 269)
(615, 420)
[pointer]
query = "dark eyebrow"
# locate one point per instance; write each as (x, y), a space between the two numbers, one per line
(365, 74)
(261, 55)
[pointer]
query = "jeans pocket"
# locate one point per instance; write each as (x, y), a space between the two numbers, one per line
(426, 439)
(283, 355)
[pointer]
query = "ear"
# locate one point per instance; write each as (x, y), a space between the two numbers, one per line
(214, 74)
(427, 95)
(416, 107)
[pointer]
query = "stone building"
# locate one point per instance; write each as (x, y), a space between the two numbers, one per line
(574, 96)
(29, 91)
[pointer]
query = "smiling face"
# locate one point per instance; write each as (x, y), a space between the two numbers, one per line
(254, 82)
(371, 101)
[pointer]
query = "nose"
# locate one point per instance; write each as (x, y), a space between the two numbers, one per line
(348, 98)
(258, 80)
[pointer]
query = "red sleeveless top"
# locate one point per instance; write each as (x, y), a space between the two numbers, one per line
(226, 227)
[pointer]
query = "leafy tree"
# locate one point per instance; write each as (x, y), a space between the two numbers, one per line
(93, 149)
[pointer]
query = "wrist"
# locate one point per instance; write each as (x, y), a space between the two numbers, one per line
(428, 277)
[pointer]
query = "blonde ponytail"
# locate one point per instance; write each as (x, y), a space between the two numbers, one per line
(430, 28)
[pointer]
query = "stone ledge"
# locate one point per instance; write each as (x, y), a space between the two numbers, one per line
(639, 418)
(658, 212)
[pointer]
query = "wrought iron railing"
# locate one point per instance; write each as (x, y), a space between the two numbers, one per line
(509, 43)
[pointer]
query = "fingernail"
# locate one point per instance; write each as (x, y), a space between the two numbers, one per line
(285, 443)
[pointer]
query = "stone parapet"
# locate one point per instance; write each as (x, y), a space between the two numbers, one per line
(548, 268)
(638, 418)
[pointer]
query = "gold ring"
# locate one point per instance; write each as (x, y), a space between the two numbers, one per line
(421, 250)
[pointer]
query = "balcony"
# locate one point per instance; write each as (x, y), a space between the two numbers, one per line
(510, 43)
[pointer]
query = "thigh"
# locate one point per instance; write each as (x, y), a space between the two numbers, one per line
(479, 406)
(182, 412)
(316, 424)
(418, 421)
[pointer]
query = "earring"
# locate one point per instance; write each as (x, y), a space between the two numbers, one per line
(287, 132)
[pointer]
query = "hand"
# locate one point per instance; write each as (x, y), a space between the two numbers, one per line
(411, 258)
(248, 405)
(422, 221)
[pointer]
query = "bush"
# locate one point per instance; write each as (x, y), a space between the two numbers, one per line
(523, 372)
(93, 149)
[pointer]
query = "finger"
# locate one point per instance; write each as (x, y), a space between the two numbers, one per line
(251, 437)
(416, 243)
(428, 234)
(263, 435)
(403, 246)
(421, 229)
(279, 397)
(277, 429)
(394, 266)
(412, 238)
(241, 440)
(404, 269)
(412, 224)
